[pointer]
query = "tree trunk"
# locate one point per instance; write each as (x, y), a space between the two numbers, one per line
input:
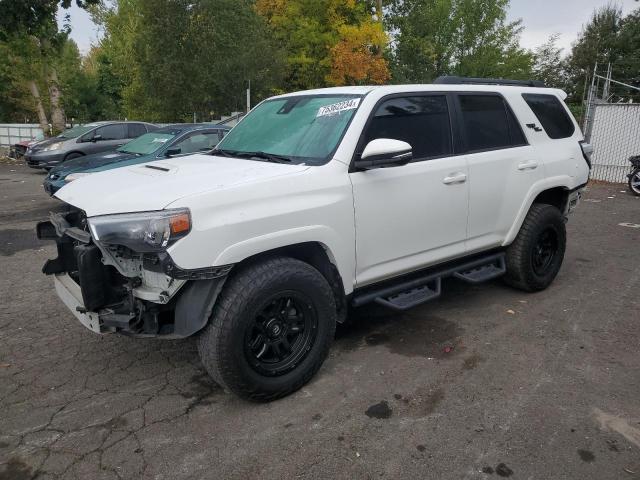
(57, 113)
(42, 117)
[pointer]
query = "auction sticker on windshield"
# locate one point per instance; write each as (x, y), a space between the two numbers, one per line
(336, 108)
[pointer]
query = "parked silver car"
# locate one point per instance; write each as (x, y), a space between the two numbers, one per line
(84, 140)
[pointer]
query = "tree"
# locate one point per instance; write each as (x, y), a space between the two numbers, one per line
(327, 42)
(455, 37)
(549, 65)
(175, 58)
(34, 22)
(598, 43)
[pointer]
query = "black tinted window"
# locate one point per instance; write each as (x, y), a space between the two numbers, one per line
(136, 129)
(421, 121)
(112, 132)
(551, 113)
(488, 123)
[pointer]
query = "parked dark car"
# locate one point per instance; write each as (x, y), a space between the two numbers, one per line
(84, 140)
(166, 142)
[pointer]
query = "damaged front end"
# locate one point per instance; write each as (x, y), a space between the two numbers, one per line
(110, 287)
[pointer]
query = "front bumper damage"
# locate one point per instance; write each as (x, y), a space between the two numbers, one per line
(112, 289)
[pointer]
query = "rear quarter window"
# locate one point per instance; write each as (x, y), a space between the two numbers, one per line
(551, 113)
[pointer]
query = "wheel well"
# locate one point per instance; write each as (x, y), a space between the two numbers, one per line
(74, 152)
(315, 255)
(554, 196)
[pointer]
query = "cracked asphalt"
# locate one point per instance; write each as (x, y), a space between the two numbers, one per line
(485, 382)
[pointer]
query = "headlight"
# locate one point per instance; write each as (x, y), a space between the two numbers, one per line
(75, 176)
(53, 146)
(142, 232)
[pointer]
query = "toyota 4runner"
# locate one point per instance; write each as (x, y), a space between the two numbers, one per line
(316, 202)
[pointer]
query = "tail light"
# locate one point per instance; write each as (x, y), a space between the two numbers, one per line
(587, 151)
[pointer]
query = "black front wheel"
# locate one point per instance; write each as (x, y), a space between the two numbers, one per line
(535, 256)
(634, 182)
(270, 330)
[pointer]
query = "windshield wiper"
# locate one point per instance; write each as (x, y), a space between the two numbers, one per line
(224, 153)
(270, 157)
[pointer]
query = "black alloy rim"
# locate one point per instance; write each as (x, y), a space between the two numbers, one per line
(545, 250)
(281, 334)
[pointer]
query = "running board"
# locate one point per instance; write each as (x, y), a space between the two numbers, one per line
(411, 293)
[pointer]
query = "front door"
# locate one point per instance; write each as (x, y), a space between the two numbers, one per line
(414, 215)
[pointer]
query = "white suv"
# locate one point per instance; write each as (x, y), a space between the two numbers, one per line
(316, 202)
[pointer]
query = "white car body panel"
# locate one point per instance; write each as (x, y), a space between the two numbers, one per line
(374, 224)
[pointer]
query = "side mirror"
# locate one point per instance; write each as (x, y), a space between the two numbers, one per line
(96, 138)
(173, 151)
(384, 152)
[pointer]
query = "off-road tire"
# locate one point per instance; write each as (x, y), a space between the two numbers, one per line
(221, 343)
(521, 273)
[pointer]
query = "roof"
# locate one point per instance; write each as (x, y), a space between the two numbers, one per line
(187, 127)
(425, 87)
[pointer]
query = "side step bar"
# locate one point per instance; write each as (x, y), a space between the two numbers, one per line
(410, 293)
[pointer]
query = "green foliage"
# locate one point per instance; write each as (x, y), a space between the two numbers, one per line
(176, 57)
(549, 65)
(455, 37)
(327, 42)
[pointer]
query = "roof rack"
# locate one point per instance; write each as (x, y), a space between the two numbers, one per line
(453, 80)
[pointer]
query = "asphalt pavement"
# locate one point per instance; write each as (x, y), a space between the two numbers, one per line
(484, 383)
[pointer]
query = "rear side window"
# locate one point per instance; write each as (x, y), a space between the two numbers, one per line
(112, 132)
(136, 129)
(488, 123)
(552, 115)
(421, 121)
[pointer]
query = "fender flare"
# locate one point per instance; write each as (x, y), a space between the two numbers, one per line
(564, 182)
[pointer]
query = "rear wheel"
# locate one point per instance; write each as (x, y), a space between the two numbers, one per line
(270, 330)
(634, 182)
(535, 256)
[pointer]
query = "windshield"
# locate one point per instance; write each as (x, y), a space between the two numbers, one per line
(77, 131)
(147, 143)
(304, 129)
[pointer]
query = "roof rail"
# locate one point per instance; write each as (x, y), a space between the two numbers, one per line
(453, 80)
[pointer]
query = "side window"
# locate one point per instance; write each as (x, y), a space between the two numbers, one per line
(421, 121)
(222, 133)
(197, 142)
(136, 129)
(112, 132)
(488, 123)
(551, 113)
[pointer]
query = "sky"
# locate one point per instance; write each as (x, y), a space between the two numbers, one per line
(541, 18)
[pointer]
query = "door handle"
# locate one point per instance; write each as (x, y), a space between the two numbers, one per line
(458, 177)
(530, 165)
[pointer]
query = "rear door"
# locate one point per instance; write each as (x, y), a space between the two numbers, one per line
(416, 214)
(110, 137)
(502, 166)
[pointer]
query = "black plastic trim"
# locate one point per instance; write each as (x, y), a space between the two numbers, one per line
(455, 80)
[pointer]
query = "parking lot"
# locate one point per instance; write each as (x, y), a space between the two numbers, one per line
(486, 382)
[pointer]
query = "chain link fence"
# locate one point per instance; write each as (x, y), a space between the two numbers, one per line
(614, 132)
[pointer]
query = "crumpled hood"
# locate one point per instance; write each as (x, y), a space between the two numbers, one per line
(154, 185)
